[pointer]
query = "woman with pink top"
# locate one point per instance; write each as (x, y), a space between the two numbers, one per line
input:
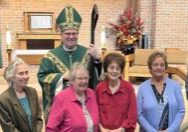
(75, 108)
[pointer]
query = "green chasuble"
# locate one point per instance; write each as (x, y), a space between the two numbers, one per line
(54, 64)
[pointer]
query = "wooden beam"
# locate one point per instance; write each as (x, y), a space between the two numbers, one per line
(128, 60)
(177, 71)
(31, 59)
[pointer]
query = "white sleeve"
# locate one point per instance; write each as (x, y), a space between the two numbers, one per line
(59, 86)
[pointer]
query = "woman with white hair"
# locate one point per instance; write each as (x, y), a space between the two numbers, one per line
(19, 105)
(75, 108)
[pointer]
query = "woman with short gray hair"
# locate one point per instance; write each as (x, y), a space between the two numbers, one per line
(75, 108)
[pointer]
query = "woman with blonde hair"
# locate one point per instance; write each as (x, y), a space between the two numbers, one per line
(159, 100)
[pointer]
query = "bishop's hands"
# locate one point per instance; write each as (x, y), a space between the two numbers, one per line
(93, 51)
(66, 76)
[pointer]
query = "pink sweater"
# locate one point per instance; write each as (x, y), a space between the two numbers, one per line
(66, 113)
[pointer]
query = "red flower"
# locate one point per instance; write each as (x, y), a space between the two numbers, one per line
(128, 24)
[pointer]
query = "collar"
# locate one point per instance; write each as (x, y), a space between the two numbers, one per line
(17, 105)
(66, 49)
(107, 89)
(15, 99)
(73, 94)
(164, 82)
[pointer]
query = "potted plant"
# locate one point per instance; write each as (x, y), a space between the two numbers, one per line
(127, 31)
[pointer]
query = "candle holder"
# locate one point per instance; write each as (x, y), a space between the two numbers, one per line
(8, 42)
(9, 52)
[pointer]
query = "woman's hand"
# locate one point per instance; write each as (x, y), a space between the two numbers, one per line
(121, 129)
(102, 129)
(163, 130)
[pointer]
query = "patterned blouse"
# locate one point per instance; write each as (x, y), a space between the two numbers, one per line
(25, 105)
(87, 117)
(163, 106)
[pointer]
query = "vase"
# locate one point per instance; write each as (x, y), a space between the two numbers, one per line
(127, 44)
(127, 49)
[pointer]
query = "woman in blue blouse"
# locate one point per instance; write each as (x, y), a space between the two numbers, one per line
(160, 101)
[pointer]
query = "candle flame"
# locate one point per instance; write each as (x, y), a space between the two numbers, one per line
(8, 39)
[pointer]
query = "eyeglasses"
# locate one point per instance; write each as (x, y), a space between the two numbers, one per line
(69, 34)
(114, 68)
(82, 78)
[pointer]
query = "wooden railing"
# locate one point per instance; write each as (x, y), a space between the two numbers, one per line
(136, 64)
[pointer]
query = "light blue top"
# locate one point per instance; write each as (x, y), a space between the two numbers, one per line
(148, 108)
(25, 105)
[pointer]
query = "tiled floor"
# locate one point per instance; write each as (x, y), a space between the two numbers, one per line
(34, 83)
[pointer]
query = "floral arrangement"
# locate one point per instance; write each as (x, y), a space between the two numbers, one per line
(128, 29)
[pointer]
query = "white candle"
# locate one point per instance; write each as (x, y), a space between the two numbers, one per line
(103, 38)
(8, 39)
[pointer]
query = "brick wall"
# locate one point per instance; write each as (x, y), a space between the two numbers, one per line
(11, 12)
(171, 24)
(165, 21)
